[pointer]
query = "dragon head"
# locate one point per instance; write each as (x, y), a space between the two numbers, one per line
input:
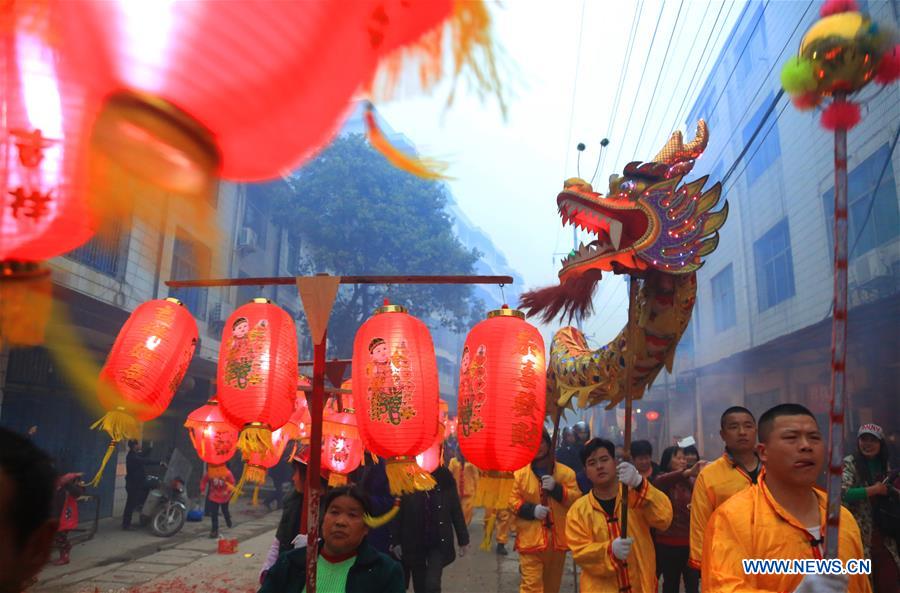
(646, 223)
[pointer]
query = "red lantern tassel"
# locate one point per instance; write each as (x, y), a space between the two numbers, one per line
(424, 168)
(255, 438)
(493, 490)
(336, 480)
(252, 474)
(840, 115)
(889, 66)
(406, 477)
(255, 500)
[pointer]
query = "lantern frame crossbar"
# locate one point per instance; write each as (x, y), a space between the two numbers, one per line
(309, 389)
(290, 280)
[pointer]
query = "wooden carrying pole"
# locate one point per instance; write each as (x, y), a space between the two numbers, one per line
(629, 365)
(317, 294)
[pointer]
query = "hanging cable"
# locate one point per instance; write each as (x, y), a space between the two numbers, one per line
(749, 142)
(662, 68)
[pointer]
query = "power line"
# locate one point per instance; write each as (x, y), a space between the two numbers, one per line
(662, 68)
(759, 127)
(640, 82)
(759, 19)
(766, 79)
(635, 23)
(698, 69)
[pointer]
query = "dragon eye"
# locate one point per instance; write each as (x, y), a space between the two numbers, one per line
(628, 186)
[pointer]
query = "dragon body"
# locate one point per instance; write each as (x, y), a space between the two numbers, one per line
(653, 227)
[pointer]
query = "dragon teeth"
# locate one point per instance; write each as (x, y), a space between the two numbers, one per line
(615, 233)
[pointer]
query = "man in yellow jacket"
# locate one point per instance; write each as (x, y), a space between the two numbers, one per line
(540, 497)
(782, 517)
(608, 561)
(736, 470)
(466, 476)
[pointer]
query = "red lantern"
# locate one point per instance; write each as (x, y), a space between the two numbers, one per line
(257, 373)
(147, 362)
(258, 464)
(212, 436)
(502, 390)
(297, 426)
(261, 87)
(396, 393)
(342, 449)
(47, 113)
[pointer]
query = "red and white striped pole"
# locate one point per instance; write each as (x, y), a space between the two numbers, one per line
(838, 341)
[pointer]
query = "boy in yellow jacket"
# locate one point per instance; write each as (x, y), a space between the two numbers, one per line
(610, 562)
(736, 470)
(780, 517)
(540, 497)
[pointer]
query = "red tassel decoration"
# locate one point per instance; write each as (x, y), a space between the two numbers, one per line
(889, 66)
(806, 101)
(840, 115)
(838, 6)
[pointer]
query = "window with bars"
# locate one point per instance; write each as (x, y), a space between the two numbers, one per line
(102, 253)
(724, 311)
(190, 260)
(774, 266)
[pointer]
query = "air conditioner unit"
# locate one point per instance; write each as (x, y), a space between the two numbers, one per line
(867, 268)
(246, 240)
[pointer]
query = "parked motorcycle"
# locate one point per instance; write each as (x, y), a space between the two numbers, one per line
(165, 507)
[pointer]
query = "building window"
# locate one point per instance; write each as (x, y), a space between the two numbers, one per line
(768, 139)
(102, 252)
(255, 218)
(774, 266)
(190, 261)
(724, 315)
(884, 220)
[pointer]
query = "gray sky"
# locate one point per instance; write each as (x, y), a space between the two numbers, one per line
(507, 173)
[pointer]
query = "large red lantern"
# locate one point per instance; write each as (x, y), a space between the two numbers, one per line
(147, 362)
(502, 390)
(342, 449)
(47, 113)
(395, 387)
(252, 89)
(257, 373)
(212, 436)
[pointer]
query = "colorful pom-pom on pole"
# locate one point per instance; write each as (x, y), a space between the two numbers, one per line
(831, 7)
(840, 115)
(889, 66)
(797, 76)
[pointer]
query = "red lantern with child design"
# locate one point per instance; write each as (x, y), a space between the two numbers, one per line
(214, 438)
(342, 449)
(502, 391)
(144, 368)
(257, 373)
(395, 387)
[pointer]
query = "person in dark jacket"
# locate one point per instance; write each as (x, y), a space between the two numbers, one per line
(135, 481)
(676, 480)
(347, 563)
(375, 484)
(280, 474)
(424, 529)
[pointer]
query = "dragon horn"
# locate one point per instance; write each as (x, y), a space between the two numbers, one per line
(696, 146)
(673, 147)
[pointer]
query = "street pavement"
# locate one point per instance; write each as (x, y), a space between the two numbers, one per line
(137, 562)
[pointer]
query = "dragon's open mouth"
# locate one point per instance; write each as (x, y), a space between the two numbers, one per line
(618, 225)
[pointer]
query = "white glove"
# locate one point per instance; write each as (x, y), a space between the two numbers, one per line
(271, 558)
(628, 475)
(540, 512)
(395, 550)
(463, 550)
(621, 548)
(548, 483)
(823, 583)
(300, 541)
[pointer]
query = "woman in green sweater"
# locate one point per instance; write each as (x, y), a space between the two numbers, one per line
(346, 562)
(862, 487)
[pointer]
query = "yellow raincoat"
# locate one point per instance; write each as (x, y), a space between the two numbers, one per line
(532, 535)
(590, 531)
(466, 483)
(719, 481)
(753, 525)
